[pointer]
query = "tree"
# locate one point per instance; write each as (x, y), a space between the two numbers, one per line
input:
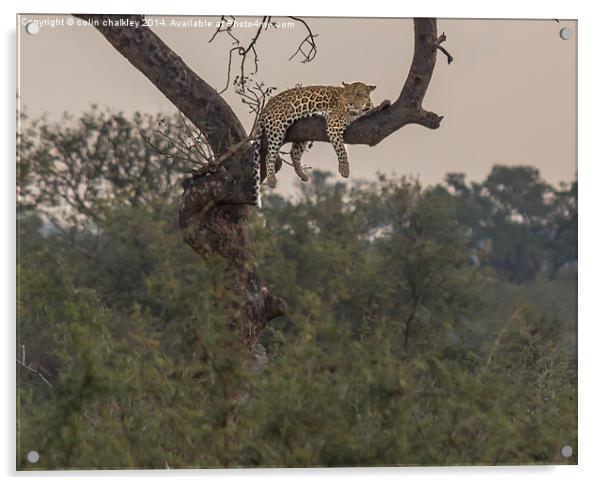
(530, 226)
(214, 211)
(403, 260)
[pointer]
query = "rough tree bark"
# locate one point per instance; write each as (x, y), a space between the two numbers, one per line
(214, 210)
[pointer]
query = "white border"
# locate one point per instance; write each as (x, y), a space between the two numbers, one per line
(590, 177)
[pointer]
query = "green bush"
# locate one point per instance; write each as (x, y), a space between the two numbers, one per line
(398, 349)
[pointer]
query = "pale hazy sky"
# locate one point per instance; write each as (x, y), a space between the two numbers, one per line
(509, 96)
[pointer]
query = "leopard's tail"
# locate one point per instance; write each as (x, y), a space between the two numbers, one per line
(257, 135)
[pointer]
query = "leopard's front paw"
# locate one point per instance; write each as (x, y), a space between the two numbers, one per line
(272, 181)
(344, 170)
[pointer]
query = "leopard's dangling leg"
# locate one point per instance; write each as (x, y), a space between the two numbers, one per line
(270, 167)
(257, 135)
(296, 154)
(275, 138)
(270, 160)
(335, 127)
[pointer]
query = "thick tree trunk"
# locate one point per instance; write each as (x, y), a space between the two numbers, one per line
(214, 211)
(213, 228)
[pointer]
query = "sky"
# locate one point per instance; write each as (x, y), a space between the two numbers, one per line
(509, 96)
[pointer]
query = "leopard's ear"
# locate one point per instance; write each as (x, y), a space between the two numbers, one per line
(372, 87)
(345, 84)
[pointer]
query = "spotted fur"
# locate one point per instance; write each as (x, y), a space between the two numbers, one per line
(338, 105)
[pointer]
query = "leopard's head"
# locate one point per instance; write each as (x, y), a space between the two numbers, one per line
(357, 95)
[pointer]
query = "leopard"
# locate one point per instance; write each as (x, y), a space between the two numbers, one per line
(338, 105)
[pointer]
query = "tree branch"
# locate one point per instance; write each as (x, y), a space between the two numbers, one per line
(309, 41)
(379, 123)
(243, 52)
(169, 73)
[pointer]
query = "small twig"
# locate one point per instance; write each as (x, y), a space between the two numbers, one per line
(92, 422)
(255, 97)
(227, 30)
(307, 48)
(201, 150)
(176, 144)
(243, 52)
(442, 38)
(190, 146)
(35, 372)
(309, 40)
(159, 151)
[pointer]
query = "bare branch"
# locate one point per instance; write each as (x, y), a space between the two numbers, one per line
(228, 30)
(309, 41)
(307, 48)
(243, 52)
(255, 97)
(33, 371)
(199, 153)
(199, 148)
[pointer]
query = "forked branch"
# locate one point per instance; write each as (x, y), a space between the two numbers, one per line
(307, 48)
(250, 50)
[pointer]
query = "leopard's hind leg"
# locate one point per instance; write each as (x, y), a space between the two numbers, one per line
(275, 132)
(296, 154)
(274, 145)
